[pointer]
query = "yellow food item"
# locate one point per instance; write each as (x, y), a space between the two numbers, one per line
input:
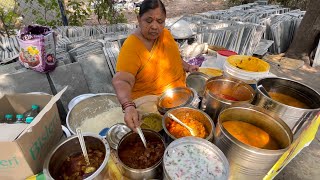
(174, 100)
(251, 135)
(248, 63)
(179, 131)
(288, 100)
(152, 121)
(211, 71)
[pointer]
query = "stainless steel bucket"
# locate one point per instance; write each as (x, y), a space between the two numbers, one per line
(248, 162)
(296, 118)
(213, 105)
(197, 81)
(71, 146)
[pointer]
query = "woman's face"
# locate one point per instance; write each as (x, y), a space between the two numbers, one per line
(152, 23)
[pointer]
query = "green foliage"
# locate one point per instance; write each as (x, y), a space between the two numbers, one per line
(105, 11)
(77, 13)
(9, 20)
(44, 14)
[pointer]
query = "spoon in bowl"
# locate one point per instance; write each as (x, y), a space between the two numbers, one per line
(192, 131)
(89, 169)
(143, 139)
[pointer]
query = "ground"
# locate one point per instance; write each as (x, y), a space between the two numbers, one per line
(179, 7)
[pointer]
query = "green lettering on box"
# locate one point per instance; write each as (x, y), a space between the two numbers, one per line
(35, 150)
(3, 163)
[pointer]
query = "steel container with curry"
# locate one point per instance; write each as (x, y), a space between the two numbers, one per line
(252, 140)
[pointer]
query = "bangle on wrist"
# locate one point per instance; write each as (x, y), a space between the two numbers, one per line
(128, 104)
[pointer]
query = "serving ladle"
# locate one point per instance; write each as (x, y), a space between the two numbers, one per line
(143, 139)
(89, 169)
(192, 131)
(263, 90)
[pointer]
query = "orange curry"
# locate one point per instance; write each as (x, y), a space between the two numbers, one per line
(179, 131)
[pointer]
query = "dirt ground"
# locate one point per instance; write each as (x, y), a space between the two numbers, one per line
(176, 8)
(181, 7)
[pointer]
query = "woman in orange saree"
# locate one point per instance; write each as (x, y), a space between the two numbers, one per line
(149, 61)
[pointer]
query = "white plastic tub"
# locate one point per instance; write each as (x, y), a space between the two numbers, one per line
(249, 77)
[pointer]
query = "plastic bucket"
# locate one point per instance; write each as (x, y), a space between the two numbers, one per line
(246, 68)
(222, 56)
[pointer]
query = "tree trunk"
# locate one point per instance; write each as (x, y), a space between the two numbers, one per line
(307, 36)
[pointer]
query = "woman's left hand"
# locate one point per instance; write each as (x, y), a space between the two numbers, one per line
(193, 68)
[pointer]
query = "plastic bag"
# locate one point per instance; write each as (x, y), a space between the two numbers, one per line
(37, 48)
(198, 60)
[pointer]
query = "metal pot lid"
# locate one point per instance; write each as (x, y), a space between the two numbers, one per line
(115, 133)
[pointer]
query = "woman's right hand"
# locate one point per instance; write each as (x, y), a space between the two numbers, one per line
(131, 117)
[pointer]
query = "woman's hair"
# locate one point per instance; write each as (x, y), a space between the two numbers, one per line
(146, 5)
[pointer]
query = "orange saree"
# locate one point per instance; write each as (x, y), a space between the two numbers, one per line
(155, 70)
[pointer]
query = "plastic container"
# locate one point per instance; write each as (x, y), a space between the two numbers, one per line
(8, 118)
(222, 56)
(246, 68)
(29, 120)
(19, 119)
(33, 112)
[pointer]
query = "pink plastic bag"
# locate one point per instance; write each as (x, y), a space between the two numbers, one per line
(37, 48)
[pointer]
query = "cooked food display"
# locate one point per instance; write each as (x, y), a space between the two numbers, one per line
(227, 97)
(135, 155)
(179, 131)
(76, 168)
(287, 100)
(175, 100)
(251, 135)
(152, 121)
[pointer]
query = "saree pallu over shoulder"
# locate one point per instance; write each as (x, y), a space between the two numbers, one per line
(155, 70)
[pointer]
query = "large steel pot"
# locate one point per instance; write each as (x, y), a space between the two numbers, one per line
(182, 113)
(153, 172)
(90, 107)
(71, 146)
(212, 104)
(296, 118)
(248, 162)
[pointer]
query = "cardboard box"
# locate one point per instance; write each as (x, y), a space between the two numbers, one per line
(24, 149)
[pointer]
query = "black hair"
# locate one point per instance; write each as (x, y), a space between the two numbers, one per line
(146, 5)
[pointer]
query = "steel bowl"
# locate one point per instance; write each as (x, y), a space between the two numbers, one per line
(70, 146)
(181, 113)
(202, 145)
(153, 172)
(296, 118)
(115, 134)
(248, 162)
(212, 104)
(178, 97)
(89, 108)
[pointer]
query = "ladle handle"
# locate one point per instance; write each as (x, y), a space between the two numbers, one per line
(263, 90)
(143, 139)
(83, 146)
(178, 121)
